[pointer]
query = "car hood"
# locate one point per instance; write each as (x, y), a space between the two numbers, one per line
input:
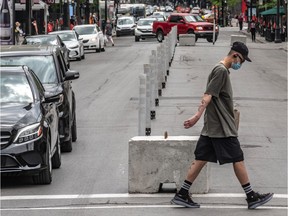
(126, 26)
(71, 43)
(53, 89)
(144, 27)
(18, 115)
(88, 36)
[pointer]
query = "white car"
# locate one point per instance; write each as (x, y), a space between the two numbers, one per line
(75, 46)
(91, 35)
(125, 26)
(144, 29)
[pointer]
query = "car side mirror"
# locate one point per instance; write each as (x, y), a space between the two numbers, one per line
(50, 99)
(182, 21)
(72, 75)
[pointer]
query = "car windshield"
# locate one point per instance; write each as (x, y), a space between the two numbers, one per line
(125, 21)
(84, 30)
(194, 19)
(145, 22)
(41, 40)
(43, 66)
(67, 36)
(15, 88)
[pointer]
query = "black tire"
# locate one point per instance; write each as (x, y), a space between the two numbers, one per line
(74, 129)
(210, 39)
(67, 146)
(56, 159)
(83, 56)
(160, 36)
(99, 49)
(190, 31)
(103, 49)
(45, 176)
(79, 59)
(137, 38)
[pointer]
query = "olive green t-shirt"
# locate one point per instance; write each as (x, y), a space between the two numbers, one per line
(219, 115)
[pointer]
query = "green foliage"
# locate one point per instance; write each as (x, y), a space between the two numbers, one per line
(270, 4)
(230, 3)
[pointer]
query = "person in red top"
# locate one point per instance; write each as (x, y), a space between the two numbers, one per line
(50, 26)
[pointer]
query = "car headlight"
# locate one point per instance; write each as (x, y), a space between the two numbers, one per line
(94, 39)
(74, 47)
(29, 133)
(199, 28)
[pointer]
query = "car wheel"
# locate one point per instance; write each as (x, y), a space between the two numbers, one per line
(83, 56)
(74, 129)
(45, 176)
(160, 36)
(67, 145)
(137, 38)
(79, 59)
(56, 159)
(117, 35)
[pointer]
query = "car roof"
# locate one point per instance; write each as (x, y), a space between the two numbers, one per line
(148, 18)
(85, 25)
(62, 31)
(126, 17)
(20, 50)
(39, 36)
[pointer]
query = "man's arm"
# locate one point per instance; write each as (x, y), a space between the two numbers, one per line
(194, 119)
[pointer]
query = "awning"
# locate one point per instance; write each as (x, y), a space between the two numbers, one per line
(273, 11)
(22, 7)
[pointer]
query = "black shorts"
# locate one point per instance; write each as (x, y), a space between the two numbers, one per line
(224, 150)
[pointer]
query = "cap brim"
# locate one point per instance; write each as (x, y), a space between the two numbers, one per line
(247, 58)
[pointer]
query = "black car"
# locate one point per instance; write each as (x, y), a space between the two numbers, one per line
(48, 64)
(49, 40)
(29, 126)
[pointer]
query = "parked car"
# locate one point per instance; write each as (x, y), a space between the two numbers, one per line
(75, 45)
(186, 24)
(125, 26)
(29, 126)
(48, 40)
(144, 29)
(91, 35)
(48, 64)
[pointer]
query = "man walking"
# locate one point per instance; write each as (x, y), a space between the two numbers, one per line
(108, 32)
(218, 140)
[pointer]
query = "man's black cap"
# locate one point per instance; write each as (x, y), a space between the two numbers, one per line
(242, 49)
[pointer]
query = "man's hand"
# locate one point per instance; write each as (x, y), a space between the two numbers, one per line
(191, 121)
(194, 119)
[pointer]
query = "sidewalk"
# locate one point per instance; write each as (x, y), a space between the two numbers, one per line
(283, 45)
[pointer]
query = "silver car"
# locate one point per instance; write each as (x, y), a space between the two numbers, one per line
(92, 36)
(144, 29)
(75, 45)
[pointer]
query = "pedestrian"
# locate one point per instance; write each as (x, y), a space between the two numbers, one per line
(253, 30)
(18, 32)
(72, 24)
(50, 26)
(91, 19)
(34, 27)
(240, 21)
(218, 140)
(108, 32)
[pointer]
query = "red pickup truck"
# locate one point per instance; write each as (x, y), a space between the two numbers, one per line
(186, 24)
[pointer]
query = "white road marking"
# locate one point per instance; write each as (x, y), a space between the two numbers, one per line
(137, 206)
(126, 195)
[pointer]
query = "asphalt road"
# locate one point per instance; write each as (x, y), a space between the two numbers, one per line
(93, 178)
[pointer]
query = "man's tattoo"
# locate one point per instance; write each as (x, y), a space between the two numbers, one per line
(202, 106)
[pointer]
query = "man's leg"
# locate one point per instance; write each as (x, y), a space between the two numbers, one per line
(182, 197)
(253, 199)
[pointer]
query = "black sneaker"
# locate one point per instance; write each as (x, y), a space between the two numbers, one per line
(185, 201)
(258, 200)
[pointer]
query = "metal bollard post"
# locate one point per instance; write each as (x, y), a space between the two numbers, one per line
(155, 76)
(142, 106)
(159, 72)
(162, 66)
(147, 71)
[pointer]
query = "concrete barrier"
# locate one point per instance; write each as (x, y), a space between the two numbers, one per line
(186, 40)
(154, 161)
(241, 38)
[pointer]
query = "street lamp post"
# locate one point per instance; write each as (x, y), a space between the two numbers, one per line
(277, 30)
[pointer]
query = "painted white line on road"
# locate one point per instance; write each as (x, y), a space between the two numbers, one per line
(138, 206)
(126, 195)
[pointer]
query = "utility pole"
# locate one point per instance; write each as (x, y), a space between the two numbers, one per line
(29, 14)
(277, 30)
